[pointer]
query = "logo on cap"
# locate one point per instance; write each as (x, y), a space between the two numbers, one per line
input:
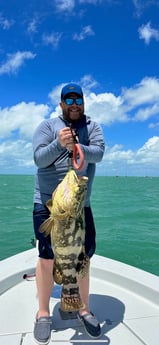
(71, 87)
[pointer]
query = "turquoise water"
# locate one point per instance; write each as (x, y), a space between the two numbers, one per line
(126, 214)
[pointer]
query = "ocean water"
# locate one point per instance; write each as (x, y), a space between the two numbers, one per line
(126, 214)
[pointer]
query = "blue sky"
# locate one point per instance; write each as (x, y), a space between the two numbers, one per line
(110, 48)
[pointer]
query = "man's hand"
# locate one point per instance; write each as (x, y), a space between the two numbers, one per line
(66, 139)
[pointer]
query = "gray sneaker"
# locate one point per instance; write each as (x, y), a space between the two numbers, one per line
(91, 324)
(42, 330)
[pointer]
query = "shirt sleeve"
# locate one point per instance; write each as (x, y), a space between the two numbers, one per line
(94, 152)
(46, 147)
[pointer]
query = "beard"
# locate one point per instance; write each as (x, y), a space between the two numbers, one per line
(73, 116)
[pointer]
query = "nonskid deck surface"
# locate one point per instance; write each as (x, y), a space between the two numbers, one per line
(127, 311)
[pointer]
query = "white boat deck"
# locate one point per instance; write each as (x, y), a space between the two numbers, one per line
(124, 299)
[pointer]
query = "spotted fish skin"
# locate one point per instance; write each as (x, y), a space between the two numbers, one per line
(66, 226)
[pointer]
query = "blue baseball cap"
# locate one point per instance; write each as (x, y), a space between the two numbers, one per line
(71, 88)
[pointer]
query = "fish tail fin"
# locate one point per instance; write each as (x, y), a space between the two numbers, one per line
(46, 226)
(71, 303)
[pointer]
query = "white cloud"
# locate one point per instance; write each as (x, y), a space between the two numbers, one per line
(32, 26)
(144, 114)
(17, 126)
(52, 39)
(94, 2)
(147, 91)
(64, 5)
(86, 31)
(22, 118)
(154, 125)
(88, 83)
(142, 100)
(15, 61)
(152, 144)
(89, 1)
(105, 108)
(5, 23)
(149, 153)
(143, 161)
(117, 153)
(147, 33)
(141, 5)
(16, 156)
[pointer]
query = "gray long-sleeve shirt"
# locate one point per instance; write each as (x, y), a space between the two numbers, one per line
(52, 159)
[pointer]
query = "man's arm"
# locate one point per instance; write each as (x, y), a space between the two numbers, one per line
(46, 148)
(94, 152)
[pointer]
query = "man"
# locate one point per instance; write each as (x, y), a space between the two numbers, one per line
(52, 142)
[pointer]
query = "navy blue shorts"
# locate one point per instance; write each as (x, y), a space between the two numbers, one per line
(41, 213)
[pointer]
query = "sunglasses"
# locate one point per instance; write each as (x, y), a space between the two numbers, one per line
(70, 101)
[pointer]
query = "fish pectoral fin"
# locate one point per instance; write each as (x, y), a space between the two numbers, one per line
(46, 226)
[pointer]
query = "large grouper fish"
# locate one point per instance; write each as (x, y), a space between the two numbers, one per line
(66, 227)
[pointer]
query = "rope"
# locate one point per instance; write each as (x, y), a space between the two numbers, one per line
(76, 154)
